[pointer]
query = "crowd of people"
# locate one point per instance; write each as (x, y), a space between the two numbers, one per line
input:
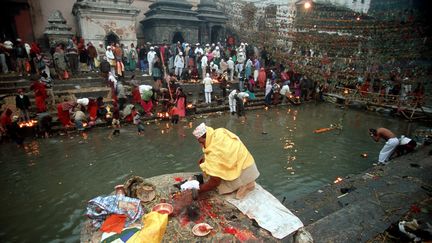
(170, 66)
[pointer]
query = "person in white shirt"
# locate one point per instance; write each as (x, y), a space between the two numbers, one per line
(151, 58)
(232, 101)
(111, 59)
(208, 88)
(231, 68)
(179, 64)
(241, 58)
(204, 64)
(285, 92)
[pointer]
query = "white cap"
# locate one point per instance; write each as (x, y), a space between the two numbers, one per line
(207, 44)
(83, 101)
(242, 44)
(197, 44)
(151, 48)
(200, 130)
(181, 53)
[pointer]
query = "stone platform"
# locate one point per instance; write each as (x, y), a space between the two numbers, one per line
(229, 224)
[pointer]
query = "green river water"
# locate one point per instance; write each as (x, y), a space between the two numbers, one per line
(46, 185)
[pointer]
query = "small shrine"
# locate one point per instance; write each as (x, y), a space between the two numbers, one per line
(57, 31)
(107, 20)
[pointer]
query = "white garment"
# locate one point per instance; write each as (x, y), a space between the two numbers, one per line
(199, 50)
(230, 64)
(150, 58)
(207, 97)
(112, 79)
(83, 101)
(268, 212)
(256, 72)
(285, 89)
(208, 84)
(109, 54)
(179, 62)
(243, 95)
(232, 101)
(204, 61)
(269, 87)
(387, 150)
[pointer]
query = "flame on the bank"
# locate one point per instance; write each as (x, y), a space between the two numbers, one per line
(163, 115)
(338, 180)
(189, 106)
(346, 91)
(30, 123)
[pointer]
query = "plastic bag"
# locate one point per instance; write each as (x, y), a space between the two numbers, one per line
(154, 229)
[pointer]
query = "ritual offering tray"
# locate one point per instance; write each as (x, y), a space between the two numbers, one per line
(164, 208)
(201, 229)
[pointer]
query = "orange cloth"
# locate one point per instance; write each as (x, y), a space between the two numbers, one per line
(262, 78)
(114, 223)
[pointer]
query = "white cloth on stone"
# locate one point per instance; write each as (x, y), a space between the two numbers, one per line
(268, 212)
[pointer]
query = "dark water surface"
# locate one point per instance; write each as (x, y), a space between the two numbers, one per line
(46, 185)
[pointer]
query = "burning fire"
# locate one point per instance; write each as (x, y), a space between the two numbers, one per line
(190, 106)
(338, 180)
(346, 91)
(30, 123)
(163, 115)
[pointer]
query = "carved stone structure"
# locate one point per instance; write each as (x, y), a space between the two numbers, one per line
(169, 21)
(107, 20)
(213, 25)
(57, 31)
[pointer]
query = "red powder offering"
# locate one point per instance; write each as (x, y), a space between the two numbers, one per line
(178, 179)
(163, 211)
(230, 230)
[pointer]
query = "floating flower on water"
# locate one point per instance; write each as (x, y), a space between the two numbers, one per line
(338, 180)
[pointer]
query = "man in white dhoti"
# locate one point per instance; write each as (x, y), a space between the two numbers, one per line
(391, 143)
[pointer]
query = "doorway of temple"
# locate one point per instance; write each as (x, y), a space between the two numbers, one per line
(178, 36)
(216, 34)
(111, 37)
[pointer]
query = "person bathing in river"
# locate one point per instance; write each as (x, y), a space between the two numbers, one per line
(391, 143)
(227, 162)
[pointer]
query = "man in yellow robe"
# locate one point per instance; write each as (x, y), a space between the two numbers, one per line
(226, 161)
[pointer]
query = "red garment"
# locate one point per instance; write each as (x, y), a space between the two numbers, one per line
(63, 115)
(136, 95)
(180, 108)
(114, 223)
(92, 109)
(5, 120)
(262, 77)
(147, 106)
(40, 96)
(34, 49)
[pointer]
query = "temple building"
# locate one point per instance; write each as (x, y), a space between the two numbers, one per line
(169, 21)
(126, 21)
